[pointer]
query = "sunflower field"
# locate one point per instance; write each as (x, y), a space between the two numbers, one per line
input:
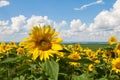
(42, 56)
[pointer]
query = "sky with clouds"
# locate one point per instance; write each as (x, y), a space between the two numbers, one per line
(76, 20)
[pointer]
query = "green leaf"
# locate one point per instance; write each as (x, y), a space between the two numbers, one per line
(82, 77)
(9, 60)
(22, 68)
(16, 78)
(19, 78)
(52, 69)
(14, 59)
(115, 77)
(84, 61)
(74, 77)
(22, 78)
(103, 78)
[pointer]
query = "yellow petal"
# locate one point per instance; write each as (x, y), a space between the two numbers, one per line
(57, 40)
(46, 55)
(35, 54)
(55, 34)
(47, 30)
(56, 47)
(41, 55)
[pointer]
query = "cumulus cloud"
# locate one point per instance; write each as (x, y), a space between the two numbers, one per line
(17, 23)
(75, 32)
(17, 27)
(117, 5)
(58, 26)
(4, 3)
(76, 25)
(3, 23)
(107, 22)
(34, 20)
(88, 5)
(43, 20)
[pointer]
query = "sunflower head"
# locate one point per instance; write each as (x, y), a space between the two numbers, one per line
(91, 67)
(43, 42)
(75, 64)
(116, 65)
(74, 56)
(13, 44)
(21, 44)
(20, 51)
(117, 48)
(112, 40)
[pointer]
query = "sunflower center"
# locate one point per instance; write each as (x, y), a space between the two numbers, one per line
(44, 45)
(118, 66)
(112, 40)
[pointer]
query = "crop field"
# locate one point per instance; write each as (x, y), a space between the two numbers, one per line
(93, 46)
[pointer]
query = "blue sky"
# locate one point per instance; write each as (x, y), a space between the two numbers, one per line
(76, 20)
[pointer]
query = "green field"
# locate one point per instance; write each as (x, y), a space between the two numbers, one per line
(93, 46)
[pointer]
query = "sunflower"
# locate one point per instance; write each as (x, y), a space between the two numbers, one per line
(75, 64)
(21, 44)
(91, 67)
(7, 47)
(117, 49)
(112, 40)
(74, 56)
(13, 44)
(20, 51)
(43, 42)
(116, 65)
(2, 47)
(91, 54)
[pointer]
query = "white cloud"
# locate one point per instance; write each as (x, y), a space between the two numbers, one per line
(17, 23)
(76, 32)
(4, 3)
(17, 27)
(3, 23)
(117, 4)
(43, 20)
(58, 26)
(20, 24)
(107, 22)
(76, 25)
(37, 20)
(90, 4)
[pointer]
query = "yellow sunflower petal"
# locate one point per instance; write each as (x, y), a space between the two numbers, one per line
(47, 30)
(46, 55)
(56, 47)
(35, 54)
(41, 55)
(55, 34)
(57, 40)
